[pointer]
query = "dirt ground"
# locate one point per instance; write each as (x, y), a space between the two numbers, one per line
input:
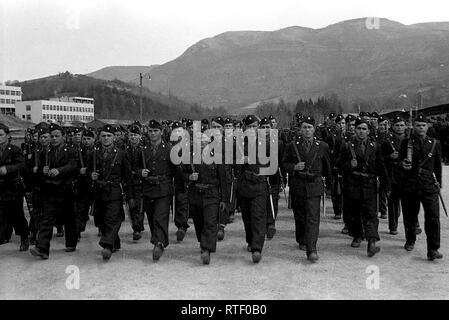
(284, 273)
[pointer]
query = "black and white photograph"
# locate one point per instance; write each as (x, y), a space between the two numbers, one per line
(224, 155)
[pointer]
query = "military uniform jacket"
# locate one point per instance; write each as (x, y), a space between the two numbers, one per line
(159, 182)
(308, 182)
(334, 141)
(63, 159)
(362, 180)
(114, 171)
(11, 185)
(424, 163)
(394, 166)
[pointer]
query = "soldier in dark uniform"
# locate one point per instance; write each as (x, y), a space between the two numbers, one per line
(274, 180)
(111, 172)
(181, 196)
(232, 203)
(134, 150)
(252, 191)
(11, 191)
(57, 168)
(390, 148)
(381, 136)
(207, 192)
(421, 160)
(363, 169)
(307, 161)
(335, 140)
(157, 172)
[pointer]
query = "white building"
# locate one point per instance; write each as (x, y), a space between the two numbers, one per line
(64, 110)
(9, 95)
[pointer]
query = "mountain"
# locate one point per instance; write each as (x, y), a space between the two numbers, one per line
(123, 73)
(351, 59)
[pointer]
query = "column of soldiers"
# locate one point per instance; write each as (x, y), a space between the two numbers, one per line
(363, 165)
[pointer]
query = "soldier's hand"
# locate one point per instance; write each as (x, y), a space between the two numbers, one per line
(353, 163)
(53, 173)
(193, 176)
(83, 171)
(222, 206)
(394, 155)
(46, 169)
(300, 166)
(94, 176)
(35, 169)
(406, 165)
(145, 173)
(3, 171)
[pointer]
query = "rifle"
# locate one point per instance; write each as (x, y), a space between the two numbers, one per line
(409, 142)
(144, 166)
(439, 193)
(124, 201)
(283, 186)
(323, 197)
(94, 184)
(271, 199)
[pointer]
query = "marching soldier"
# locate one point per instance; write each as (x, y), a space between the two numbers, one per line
(307, 161)
(421, 160)
(363, 166)
(57, 168)
(381, 135)
(157, 173)
(252, 190)
(134, 151)
(111, 172)
(232, 203)
(207, 192)
(181, 210)
(390, 148)
(11, 191)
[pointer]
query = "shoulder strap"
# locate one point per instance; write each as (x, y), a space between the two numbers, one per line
(351, 148)
(313, 159)
(296, 151)
(430, 154)
(112, 165)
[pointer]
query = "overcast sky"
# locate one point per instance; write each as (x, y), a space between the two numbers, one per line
(41, 38)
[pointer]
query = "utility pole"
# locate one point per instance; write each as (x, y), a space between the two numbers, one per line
(141, 107)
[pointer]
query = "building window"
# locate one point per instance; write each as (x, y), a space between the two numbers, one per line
(28, 116)
(28, 107)
(7, 92)
(8, 101)
(2, 101)
(2, 91)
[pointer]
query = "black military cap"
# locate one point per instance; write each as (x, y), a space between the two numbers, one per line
(298, 115)
(89, 133)
(359, 121)
(31, 130)
(168, 122)
(44, 130)
(374, 115)
(54, 127)
(4, 127)
(271, 117)
(250, 119)
(350, 118)
(228, 120)
(264, 121)
(398, 119)
(381, 119)
(332, 115)
(153, 124)
(176, 124)
(204, 127)
(339, 118)
(76, 130)
(309, 120)
(218, 120)
(363, 114)
(184, 120)
(189, 123)
(137, 123)
(420, 118)
(108, 128)
(204, 121)
(134, 129)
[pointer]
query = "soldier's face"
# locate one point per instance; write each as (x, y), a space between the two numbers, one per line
(274, 124)
(228, 126)
(351, 127)
(45, 139)
(421, 128)
(216, 125)
(307, 130)
(399, 127)
(177, 133)
(134, 138)
(78, 137)
(341, 125)
(383, 126)
(36, 137)
(154, 134)
(362, 131)
(3, 136)
(118, 136)
(251, 129)
(265, 126)
(57, 138)
(88, 141)
(106, 138)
